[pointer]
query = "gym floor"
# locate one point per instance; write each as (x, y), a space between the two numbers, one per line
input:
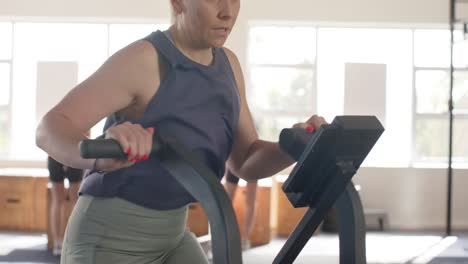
(390, 248)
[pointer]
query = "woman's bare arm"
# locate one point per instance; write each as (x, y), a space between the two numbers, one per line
(252, 158)
(117, 85)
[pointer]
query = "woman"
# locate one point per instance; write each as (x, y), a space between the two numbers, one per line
(180, 82)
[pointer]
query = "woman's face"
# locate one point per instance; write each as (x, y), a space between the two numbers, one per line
(209, 22)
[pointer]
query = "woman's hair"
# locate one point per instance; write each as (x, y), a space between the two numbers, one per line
(173, 15)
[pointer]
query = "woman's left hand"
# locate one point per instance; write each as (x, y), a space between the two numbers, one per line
(312, 123)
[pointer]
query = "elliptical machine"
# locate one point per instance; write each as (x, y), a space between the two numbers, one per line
(327, 159)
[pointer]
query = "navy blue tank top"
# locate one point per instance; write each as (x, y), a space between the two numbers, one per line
(197, 104)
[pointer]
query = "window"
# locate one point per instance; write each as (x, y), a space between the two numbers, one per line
(6, 36)
(282, 81)
(85, 44)
(338, 47)
(4, 84)
(432, 49)
(432, 88)
(432, 91)
(4, 130)
(287, 85)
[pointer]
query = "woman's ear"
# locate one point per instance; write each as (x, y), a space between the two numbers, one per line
(177, 6)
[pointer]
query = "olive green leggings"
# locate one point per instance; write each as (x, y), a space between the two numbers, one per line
(112, 230)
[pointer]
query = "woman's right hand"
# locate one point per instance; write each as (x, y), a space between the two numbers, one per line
(135, 140)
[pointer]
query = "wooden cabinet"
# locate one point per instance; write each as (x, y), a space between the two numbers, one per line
(40, 198)
(287, 216)
(22, 203)
(261, 233)
(16, 203)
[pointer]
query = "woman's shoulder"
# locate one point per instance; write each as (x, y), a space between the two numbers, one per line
(138, 63)
(230, 54)
(235, 66)
(140, 52)
(233, 61)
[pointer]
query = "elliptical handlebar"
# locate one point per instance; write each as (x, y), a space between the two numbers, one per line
(108, 148)
(294, 140)
(291, 140)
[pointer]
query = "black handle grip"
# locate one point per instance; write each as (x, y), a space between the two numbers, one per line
(107, 149)
(294, 140)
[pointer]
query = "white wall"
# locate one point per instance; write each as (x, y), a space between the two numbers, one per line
(414, 198)
(414, 11)
(87, 8)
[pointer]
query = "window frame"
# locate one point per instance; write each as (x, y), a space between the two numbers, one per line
(6, 159)
(435, 162)
(274, 114)
(8, 106)
(413, 162)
